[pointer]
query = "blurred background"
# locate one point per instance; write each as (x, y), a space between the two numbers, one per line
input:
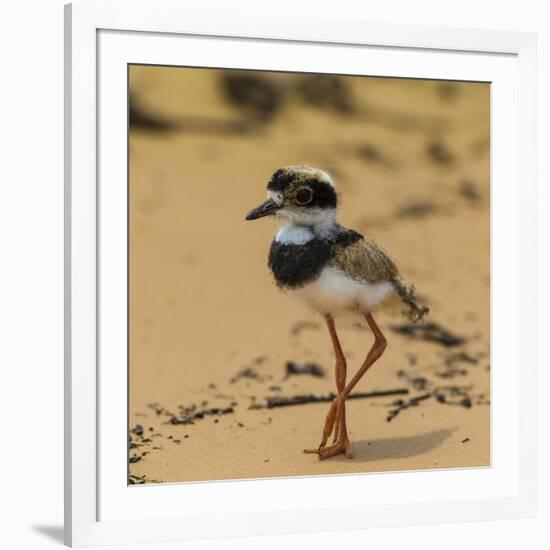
(410, 159)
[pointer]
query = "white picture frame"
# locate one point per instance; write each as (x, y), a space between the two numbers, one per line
(95, 479)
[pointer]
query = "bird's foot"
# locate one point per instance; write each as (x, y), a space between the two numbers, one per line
(335, 423)
(342, 446)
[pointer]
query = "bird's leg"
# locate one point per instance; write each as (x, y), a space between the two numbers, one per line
(340, 369)
(336, 418)
(374, 354)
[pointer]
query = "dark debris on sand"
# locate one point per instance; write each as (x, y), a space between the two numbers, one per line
(454, 395)
(451, 362)
(416, 209)
(138, 438)
(448, 91)
(159, 410)
(460, 357)
(419, 383)
(138, 430)
(312, 369)
(401, 404)
(144, 119)
(260, 96)
(188, 415)
(439, 153)
(430, 332)
(447, 395)
(451, 372)
(140, 117)
(247, 372)
(276, 401)
(373, 154)
(468, 191)
(251, 373)
(327, 92)
(136, 480)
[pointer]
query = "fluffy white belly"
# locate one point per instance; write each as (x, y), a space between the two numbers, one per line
(336, 292)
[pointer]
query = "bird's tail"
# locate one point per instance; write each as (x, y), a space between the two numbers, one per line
(411, 309)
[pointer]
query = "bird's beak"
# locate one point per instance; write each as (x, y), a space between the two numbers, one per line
(268, 208)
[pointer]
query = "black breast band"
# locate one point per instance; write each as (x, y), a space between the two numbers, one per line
(295, 265)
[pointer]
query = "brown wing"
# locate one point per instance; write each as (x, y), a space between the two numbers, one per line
(364, 260)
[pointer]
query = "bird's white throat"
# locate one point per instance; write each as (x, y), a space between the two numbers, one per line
(305, 224)
(294, 234)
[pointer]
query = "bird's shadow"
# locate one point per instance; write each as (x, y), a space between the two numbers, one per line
(397, 447)
(53, 532)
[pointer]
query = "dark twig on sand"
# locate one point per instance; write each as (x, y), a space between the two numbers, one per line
(445, 395)
(431, 332)
(275, 401)
(451, 372)
(401, 405)
(460, 357)
(191, 414)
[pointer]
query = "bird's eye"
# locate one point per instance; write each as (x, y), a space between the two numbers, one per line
(304, 196)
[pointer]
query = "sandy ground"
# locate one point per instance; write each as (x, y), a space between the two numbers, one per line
(209, 329)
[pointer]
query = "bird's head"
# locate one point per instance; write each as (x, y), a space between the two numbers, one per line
(301, 195)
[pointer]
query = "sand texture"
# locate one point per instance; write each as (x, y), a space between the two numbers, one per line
(212, 338)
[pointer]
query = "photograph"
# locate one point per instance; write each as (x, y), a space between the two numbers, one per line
(309, 274)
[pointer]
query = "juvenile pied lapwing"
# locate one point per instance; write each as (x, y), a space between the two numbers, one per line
(334, 270)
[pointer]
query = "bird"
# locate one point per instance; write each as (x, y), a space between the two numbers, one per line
(334, 270)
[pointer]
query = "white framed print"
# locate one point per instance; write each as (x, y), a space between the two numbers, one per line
(293, 273)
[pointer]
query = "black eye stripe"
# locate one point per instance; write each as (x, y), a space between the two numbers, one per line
(304, 196)
(323, 194)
